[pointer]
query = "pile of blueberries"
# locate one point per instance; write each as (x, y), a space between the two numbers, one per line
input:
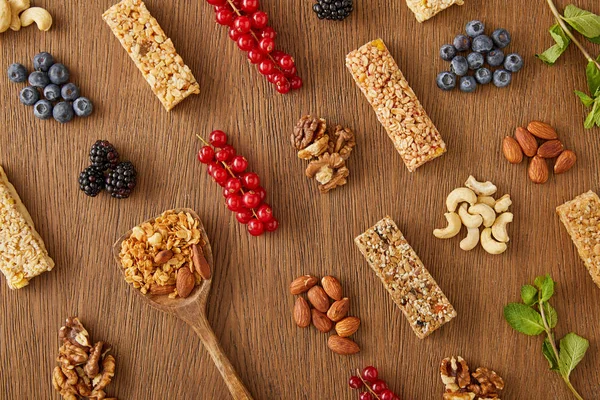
(61, 99)
(482, 49)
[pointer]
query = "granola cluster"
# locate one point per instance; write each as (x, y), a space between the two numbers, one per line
(461, 384)
(84, 370)
(327, 151)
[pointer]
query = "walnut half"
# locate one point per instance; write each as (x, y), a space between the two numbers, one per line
(329, 170)
(308, 130)
(455, 373)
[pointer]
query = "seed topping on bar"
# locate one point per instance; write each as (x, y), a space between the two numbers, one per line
(425, 9)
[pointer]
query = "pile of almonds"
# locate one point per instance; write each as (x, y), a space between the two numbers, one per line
(329, 308)
(539, 141)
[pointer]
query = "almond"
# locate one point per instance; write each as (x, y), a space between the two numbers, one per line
(159, 290)
(200, 262)
(526, 141)
(538, 170)
(542, 130)
(332, 287)
(550, 149)
(302, 313)
(163, 256)
(338, 309)
(343, 346)
(302, 284)
(512, 150)
(564, 162)
(320, 321)
(318, 298)
(185, 282)
(347, 326)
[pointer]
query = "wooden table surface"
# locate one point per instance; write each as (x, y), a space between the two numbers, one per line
(158, 357)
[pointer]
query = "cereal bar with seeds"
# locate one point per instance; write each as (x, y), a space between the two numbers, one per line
(425, 9)
(23, 254)
(405, 277)
(152, 52)
(396, 105)
(581, 217)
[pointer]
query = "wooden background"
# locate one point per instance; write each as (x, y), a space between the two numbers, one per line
(158, 357)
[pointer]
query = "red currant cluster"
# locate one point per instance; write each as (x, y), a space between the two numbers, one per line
(375, 387)
(248, 28)
(242, 191)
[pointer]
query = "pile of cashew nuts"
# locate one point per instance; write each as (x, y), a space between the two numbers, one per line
(15, 14)
(477, 207)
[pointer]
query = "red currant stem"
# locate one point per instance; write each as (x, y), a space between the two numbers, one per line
(366, 384)
(201, 138)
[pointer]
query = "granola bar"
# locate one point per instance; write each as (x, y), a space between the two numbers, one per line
(152, 52)
(396, 105)
(405, 277)
(425, 9)
(23, 254)
(581, 217)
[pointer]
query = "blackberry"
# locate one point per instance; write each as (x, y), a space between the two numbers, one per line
(333, 9)
(91, 181)
(103, 155)
(121, 180)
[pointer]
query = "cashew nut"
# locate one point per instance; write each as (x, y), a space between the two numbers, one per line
(489, 200)
(5, 15)
(40, 16)
(452, 229)
(489, 244)
(481, 188)
(499, 227)
(458, 196)
(487, 212)
(469, 220)
(471, 240)
(17, 7)
(503, 203)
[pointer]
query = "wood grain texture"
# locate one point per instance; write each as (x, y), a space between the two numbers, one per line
(249, 308)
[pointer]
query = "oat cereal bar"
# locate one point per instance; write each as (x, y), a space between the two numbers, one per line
(581, 217)
(152, 52)
(404, 276)
(23, 254)
(396, 105)
(425, 9)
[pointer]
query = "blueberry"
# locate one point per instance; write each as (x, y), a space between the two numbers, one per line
(462, 43)
(29, 95)
(459, 65)
(447, 52)
(83, 107)
(502, 78)
(17, 73)
(43, 61)
(446, 80)
(58, 74)
(513, 62)
(39, 79)
(475, 28)
(69, 92)
(482, 44)
(63, 112)
(483, 76)
(501, 38)
(495, 57)
(475, 60)
(468, 84)
(52, 92)
(42, 109)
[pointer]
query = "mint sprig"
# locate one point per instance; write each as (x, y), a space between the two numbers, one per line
(535, 316)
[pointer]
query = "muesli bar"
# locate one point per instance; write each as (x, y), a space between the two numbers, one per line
(23, 254)
(425, 9)
(152, 52)
(581, 217)
(405, 277)
(396, 105)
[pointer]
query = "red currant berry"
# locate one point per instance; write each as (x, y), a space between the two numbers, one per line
(264, 212)
(239, 164)
(244, 216)
(224, 7)
(283, 87)
(251, 200)
(268, 32)
(365, 396)
(290, 72)
(249, 6)
(224, 17)
(206, 155)
(277, 54)
(355, 382)
(234, 202)
(272, 225)
(255, 56)
(296, 82)
(216, 2)
(233, 185)
(246, 42)
(234, 34)
(261, 192)
(379, 386)
(286, 61)
(387, 395)
(259, 19)
(271, 77)
(255, 227)
(218, 138)
(242, 24)
(267, 45)
(395, 398)
(220, 176)
(212, 166)
(226, 153)
(277, 77)
(370, 374)
(266, 67)
(237, 3)
(250, 181)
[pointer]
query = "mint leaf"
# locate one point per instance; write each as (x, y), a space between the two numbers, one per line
(585, 99)
(529, 295)
(593, 77)
(551, 315)
(539, 280)
(592, 116)
(584, 22)
(523, 319)
(549, 354)
(562, 43)
(572, 350)
(594, 40)
(546, 288)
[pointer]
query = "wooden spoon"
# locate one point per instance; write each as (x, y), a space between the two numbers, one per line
(192, 310)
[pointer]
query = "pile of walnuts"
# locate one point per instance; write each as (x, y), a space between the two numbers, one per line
(461, 384)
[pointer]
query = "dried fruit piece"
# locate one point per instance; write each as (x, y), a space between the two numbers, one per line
(320, 321)
(538, 170)
(526, 141)
(550, 149)
(565, 162)
(347, 327)
(338, 309)
(185, 282)
(302, 284)
(318, 298)
(542, 130)
(302, 313)
(512, 150)
(343, 346)
(332, 287)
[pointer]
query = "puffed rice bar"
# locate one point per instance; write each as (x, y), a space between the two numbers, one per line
(581, 217)
(396, 105)
(425, 9)
(23, 254)
(405, 277)
(152, 52)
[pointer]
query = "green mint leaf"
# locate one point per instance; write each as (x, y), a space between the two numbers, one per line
(572, 350)
(529, 295)
(585, 99)
(598, 113)
(539, 280)
(592, 116)
(551, 315)
(594, 40)
(593, 77)
(549, 354)
(584, 22)
(523, 319)
(562, 43)
(546, 288)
